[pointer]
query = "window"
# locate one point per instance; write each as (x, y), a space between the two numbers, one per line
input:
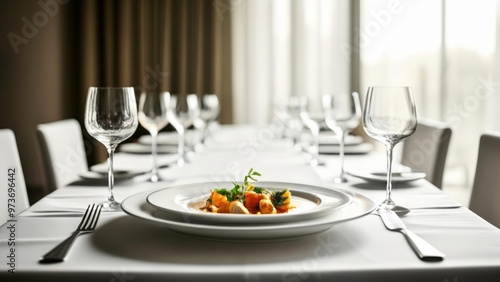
(445, 50)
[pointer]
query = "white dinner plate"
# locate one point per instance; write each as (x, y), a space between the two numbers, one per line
(382, 176)
(123, 162)
(362, 148)
(309, 202)
(329, 138)
(171, 138)
(118, 175)
(138, 206)
(137, 148)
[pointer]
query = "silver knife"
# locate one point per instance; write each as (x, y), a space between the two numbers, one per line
(424, 250)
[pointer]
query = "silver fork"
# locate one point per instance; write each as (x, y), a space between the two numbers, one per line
(87, 225)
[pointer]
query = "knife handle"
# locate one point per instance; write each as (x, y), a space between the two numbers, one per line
(423, 249)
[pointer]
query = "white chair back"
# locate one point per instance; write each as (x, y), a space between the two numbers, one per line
(426, 150)
(485, 194)
(14, 192)
(62, 152)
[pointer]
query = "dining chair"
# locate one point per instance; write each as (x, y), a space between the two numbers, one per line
(485, 189)
(427, 148)
(62, 152)
(15, 196)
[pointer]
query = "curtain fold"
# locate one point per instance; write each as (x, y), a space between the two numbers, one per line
(155, 45)
(286, 48)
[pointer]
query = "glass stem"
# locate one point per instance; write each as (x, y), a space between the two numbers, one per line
(341, 152)
(315, 153)
(181, 146)
(388, 201)
(154, 153)
(111, 179)
(205, 133)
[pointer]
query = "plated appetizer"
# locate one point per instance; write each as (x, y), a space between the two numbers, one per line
(248, 199)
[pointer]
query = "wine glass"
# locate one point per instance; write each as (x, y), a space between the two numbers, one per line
(389, 117)
(209, 112)
(153, 117)
(295, 124)
(342, 114)
(280, 120)
(182, 112)
(111, 117)
(313, 126)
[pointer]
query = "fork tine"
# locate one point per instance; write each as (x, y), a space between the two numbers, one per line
(95, 218)
(86, 216)
(93, 215)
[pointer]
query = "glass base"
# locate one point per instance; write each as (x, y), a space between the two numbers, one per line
(199, 147)
(314, 162)
(390, 205)
(340, 179)
(155, 178)
(111, 206)
(181, 162)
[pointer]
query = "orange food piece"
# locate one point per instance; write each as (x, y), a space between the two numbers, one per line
(255, 203)
(220, 201)
(252, 200)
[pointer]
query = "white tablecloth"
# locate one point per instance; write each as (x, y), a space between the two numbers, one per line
(125, 248)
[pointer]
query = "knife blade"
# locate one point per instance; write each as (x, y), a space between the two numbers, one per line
(422, 248)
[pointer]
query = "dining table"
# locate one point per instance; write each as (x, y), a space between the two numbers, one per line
(143, 242)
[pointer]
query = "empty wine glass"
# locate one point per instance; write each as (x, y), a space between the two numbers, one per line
(153, 117)
(111, 117)
(182, 112)
(313, 126)
(389, 117)
(294, 122)
(209, 112)
(342, 114)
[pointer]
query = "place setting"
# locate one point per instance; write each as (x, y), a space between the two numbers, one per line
(381, 176)
(389, 117)
(311, 209)
(102, 175)
(127, 167)
(329, 128)
(156, 110)
(145, 149)
(199, 123)
(329, 138)
(171, 138)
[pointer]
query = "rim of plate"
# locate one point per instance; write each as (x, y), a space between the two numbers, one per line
(137, 206)
(378, 177)
(328, 201)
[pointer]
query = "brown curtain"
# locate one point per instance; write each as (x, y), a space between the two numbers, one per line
(180, 46)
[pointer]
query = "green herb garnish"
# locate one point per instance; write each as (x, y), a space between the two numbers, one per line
(250, 175)
(232, 194)
(259, 190)
(237, 193)
(278, 199)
